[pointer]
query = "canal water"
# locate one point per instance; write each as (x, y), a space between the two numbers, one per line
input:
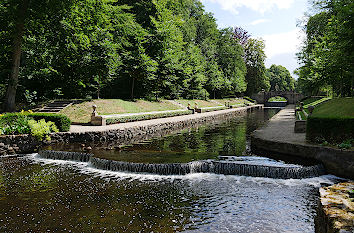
(46, 195)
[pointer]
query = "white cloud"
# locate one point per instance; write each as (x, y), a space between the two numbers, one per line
(260, 6)
(287, 42)
(259, 21)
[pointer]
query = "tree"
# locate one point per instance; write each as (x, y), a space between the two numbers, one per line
(254, 57)
(280, 78)
(327, 53)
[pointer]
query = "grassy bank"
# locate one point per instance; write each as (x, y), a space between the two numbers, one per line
(336, 108)
(81, 113)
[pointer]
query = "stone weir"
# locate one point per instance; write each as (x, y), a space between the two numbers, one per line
(204, 166)
(125, 133)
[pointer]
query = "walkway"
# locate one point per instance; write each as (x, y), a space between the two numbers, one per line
(81, 129)
(280, 128)
(278, 137)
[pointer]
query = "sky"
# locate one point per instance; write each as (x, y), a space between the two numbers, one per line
(273, 20)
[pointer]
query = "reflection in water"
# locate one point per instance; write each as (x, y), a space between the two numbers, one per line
(204, 142)
(42, 195)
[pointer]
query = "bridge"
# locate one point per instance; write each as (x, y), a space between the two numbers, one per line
(290, 96)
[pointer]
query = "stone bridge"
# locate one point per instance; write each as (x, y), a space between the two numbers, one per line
(290, 96)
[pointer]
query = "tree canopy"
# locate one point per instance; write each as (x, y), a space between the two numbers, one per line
(122, 49)
(327, 54)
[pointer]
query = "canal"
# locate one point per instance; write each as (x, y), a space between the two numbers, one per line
(48, 195)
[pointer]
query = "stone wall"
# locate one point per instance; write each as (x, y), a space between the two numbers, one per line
(336, 161)
(335, 212)
(20, 144)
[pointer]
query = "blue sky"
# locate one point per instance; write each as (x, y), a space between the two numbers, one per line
(273, 20)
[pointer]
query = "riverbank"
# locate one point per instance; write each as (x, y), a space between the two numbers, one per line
(278, 137)
(125, 133)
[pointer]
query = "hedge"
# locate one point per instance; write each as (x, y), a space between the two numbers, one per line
(211, 109)
(249, 99)
(122, 119)
(61, 121)
(331, 129)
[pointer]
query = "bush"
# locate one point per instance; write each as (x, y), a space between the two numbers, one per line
(61, 121)
(211, 109)
(141, 117)
(14, 123)
(249, 99)
(329, 129)
(41, 128)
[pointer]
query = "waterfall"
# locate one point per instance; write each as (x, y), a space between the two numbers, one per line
(203, 166)
(65, 155)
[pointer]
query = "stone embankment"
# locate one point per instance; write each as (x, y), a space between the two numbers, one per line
(125, 133)
(335, 212)
(278, 136)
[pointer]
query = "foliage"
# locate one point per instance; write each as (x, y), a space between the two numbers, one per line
(125, 49)
(41, 128)
(14, 123)
(23, 123)
(61, 121)
(327, 53)
(256, 77)
(280, 78)
(330, 129)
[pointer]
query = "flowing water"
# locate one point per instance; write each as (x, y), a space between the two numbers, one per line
(45, 195)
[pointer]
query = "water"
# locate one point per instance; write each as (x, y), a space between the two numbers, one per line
(44, 195)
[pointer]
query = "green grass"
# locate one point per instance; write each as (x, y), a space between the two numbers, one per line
(336, 108)
(81, 113)
(310, 100)
(277, 98)
(316, 102)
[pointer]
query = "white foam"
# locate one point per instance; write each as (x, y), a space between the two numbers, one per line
(85, 168)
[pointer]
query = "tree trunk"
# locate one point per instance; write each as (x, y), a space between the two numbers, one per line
(10, 98)
(132, 90)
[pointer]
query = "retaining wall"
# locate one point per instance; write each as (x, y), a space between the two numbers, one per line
(21, 144)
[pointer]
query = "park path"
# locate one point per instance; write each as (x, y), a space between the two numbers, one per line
(82, 128)
(280, 128)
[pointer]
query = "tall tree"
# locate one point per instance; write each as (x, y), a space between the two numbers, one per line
(255, 57)
(280, 78)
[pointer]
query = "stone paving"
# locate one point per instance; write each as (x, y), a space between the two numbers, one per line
(280, 128)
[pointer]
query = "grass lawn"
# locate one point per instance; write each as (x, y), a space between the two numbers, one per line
(336, 108)
(82, 112)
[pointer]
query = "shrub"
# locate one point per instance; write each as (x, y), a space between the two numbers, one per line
(249, 99)
(211, 109)
(141, 117)
(329, 128)
(14, 123)
(41, 128)
(61, 121)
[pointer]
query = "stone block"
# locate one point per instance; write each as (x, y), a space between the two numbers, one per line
(98, 120)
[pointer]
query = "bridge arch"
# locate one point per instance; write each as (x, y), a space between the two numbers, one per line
(263, 97)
